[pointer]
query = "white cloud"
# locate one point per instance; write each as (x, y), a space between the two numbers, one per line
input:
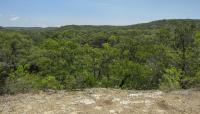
(58, 25)
(14, 18)
(41, 25)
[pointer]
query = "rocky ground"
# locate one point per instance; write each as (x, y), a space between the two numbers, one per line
(103, 101)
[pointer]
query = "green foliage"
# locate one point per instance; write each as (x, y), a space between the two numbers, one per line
(170, 79)
(130, 75)
(69, 83)
(192, 81)
(20, 81)
(49, 82)
(163, 54)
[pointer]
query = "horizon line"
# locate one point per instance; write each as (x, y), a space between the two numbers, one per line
(98, 24)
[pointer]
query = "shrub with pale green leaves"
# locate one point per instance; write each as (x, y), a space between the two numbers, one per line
(21, 82)
(170, 79)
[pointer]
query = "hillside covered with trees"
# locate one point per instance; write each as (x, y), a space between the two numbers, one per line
(162, 54)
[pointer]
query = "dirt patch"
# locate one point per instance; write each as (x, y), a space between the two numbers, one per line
(103, 101)
(163, 105)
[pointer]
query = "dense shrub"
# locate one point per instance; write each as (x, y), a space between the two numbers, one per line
(21, 81)
(161, 54)
(170, 79)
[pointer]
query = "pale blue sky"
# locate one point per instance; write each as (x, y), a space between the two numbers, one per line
(93, 12)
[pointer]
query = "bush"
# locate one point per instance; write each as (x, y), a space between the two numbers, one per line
(105, 82)
(192, 81)
(196, 80)
(22, 82)
(90, 81)
(70, 83)
(130, 75)
(170, 79)
(49, 82)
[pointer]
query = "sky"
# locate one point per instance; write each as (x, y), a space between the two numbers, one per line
(52, 13)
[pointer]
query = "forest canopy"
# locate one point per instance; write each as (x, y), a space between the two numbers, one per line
(162, 54)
